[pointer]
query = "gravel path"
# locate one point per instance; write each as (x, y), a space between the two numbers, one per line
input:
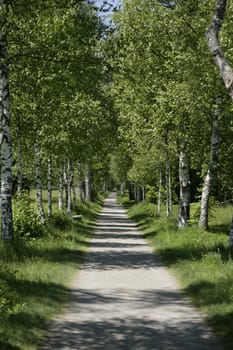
(125, 299)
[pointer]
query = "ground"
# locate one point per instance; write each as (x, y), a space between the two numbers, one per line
(124, 298)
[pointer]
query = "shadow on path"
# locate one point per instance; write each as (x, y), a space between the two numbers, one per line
(124, 299)
(128, 334)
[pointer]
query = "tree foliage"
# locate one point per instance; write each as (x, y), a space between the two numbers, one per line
(164, 81)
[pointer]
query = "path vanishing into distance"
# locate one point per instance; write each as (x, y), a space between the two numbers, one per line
(124, 298)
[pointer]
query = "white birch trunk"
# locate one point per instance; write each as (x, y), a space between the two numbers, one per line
(168, 186)
(80, 183)
(185, 189)
(73, 188)
(65, 183)
(225, 69)
(212, 34)
(143, 193)
(159, 193)
(39, 191)
(68, 188)
(214, 151)
(88, 186)
(49, 185)
(60, 190)
(5, 133)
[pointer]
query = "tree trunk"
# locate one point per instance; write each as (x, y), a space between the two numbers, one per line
(73, 188)
(143, 193)
(19, 167)
(80, 183)
(131, 192)
(39, 191)
(214, 150)
(68, 188)
(185, 189)
(49, 185)
(225, 69)
(122, 189)
(65, 184)
(139, 194)
(104, 186)
(6, 147)
(88, 185)
(168, 186)
(60, 191)
(159, 193)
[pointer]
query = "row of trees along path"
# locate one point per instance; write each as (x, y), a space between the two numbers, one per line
(82, 95)
(73, 82)
(123, 298)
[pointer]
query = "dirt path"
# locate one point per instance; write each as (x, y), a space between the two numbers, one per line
(125, 299)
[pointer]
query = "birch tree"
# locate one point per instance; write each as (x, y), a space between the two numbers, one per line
(39, 189)
(212, 168)
(185, 188)
(6, 147)
(225, 69)
(49, 186)
(212, 37)
(61, 187)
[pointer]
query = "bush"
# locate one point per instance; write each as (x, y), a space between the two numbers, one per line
(26, 220)
(61, 221)
(151, 194)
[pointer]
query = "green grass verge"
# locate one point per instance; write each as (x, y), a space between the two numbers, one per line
(200, 260)
(36, 274)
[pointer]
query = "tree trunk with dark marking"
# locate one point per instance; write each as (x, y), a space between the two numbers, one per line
(61, 188)
(212, 34)
(214, 151)
(80, 183)
(49, 185)
(5, 132)
(168, 185)
(159, 193)
(39, 192)
(225, 69)
(185, 188)
(88, 185)
(69, 209)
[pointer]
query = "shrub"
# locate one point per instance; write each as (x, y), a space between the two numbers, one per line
(26, 220)
(151, 194)
(61, 221)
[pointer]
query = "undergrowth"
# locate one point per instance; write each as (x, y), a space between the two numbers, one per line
(36, 270)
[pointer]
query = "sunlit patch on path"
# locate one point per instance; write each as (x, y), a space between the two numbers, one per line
(123, 298)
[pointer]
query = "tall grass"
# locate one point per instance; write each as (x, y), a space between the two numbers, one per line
(201, 260)
(35, 276)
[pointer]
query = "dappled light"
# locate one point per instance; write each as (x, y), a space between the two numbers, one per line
(125, 299)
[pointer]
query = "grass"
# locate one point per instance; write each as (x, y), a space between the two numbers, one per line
(200, 260)
(36, 274)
